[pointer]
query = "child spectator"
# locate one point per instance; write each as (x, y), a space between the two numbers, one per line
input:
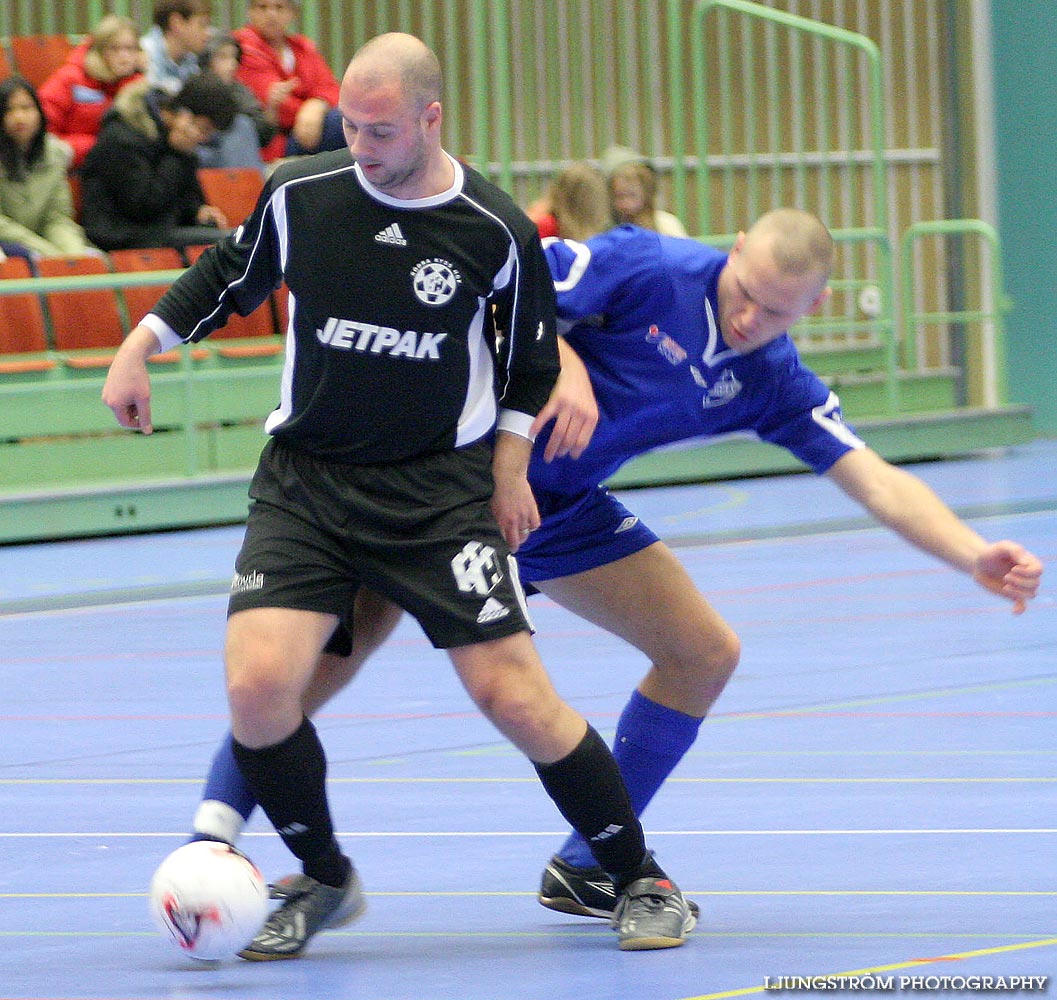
(36, 205)
(180, 31)
(222, 56)
(79, 93)
(141, 184)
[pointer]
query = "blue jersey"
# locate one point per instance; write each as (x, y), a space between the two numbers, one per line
(644, 309)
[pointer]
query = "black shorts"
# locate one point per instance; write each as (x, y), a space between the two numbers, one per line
(420, 531)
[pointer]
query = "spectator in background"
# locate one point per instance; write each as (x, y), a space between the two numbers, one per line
(141, 184)
(36, 205)
(286, 71)
(222, 56)
(172, 48)
(575, 205)
(633, 192)
(79, 93)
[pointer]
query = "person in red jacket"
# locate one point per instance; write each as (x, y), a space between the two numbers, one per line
(79, 93)
(288, 73)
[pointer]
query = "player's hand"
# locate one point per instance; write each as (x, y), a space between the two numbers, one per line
(513, 505)
(572, 407)
(1010, 570)
(127, 387)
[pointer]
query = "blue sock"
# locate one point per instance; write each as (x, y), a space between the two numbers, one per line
(226, 801)
(649, 742)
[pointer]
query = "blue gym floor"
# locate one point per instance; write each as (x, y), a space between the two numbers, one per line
(875, 791)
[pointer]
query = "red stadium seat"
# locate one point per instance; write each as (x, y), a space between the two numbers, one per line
(233, 190)
(82, 320)
(36, 57)
(22, 326)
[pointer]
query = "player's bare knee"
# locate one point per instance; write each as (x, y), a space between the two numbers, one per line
(706, 663)
(259, 686)
(724, 658)
(519, 710)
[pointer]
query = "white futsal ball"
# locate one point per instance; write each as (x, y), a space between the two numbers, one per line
(208, 899)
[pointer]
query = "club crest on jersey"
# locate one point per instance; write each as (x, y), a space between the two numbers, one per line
(667, 347)
(435, 281)
(722, 391)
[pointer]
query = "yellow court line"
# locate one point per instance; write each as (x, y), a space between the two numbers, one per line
(909, 964)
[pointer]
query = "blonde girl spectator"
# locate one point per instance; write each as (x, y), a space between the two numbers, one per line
(77, 95)
(633, 192)
(36, 206)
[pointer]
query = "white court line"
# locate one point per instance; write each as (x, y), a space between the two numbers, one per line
(915, 832)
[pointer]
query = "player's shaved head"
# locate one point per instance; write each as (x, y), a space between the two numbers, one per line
(401, 58)
(798, 242)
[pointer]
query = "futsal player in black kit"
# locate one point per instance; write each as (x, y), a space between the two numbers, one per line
(397, 460)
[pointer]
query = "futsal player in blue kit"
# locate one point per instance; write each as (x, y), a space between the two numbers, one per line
(676, 341)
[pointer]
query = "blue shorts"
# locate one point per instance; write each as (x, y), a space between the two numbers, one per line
(579, 533)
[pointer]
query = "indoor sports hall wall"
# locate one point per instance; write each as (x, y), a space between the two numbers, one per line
(876, 115)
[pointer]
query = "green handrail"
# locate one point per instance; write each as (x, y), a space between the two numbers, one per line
(83, 282)
(993, 349)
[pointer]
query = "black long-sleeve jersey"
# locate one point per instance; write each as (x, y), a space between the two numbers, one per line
(391, 349)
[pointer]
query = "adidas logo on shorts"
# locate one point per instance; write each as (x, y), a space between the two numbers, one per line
(492, 611)
(391, 234)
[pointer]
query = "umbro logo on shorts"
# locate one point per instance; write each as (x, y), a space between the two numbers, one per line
(241, 582)
(391, 234)
(492, 611)
(626, 525)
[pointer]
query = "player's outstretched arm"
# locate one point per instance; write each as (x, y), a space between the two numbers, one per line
(908, 506)
(127, 387)
(571, 406)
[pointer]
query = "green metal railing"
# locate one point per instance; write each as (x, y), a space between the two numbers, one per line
(989, 315)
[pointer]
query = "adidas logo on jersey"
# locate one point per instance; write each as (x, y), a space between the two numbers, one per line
(391, 234)
(492, 611)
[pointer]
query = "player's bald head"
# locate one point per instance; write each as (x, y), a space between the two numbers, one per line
(798, 242)
(396, 58)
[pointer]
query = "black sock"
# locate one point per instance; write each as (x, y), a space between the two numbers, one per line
(288, 779)
(588, 790)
